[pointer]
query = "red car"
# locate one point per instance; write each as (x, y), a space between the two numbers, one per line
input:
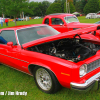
(70, 60)
(64, 22)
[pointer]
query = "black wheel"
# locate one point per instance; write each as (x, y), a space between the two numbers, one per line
(46, 80)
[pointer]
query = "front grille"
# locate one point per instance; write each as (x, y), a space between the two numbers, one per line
(93, 65)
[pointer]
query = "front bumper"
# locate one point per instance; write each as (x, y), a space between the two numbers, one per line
(92, 82)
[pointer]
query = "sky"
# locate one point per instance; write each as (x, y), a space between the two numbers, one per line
(42, 0)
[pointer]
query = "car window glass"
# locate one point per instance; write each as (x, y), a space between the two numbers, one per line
(56, 21)
(34, 33)
(46, 21)
(9, 36)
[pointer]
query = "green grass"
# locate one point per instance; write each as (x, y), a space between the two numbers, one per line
(13, 80)
(32, 21)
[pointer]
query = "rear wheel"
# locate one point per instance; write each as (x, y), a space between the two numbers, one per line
(46, 80)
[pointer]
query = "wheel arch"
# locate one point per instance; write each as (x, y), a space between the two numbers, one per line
(32, 66)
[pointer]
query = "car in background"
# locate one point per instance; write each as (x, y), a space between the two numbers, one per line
(10, 20)
(64, 22)
(91, 15)
(71, 59)
(76, 14)
(98, 14)
(37, 17)
(19, 19)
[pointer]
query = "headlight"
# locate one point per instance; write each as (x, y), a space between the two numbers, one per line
(83, 70)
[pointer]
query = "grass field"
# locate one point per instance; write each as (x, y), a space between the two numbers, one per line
(12, 80)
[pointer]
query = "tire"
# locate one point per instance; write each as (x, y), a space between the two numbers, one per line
(46, 80)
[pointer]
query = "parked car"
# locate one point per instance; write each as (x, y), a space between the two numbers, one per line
(64, 22)
(76, 14)
(19, 19)
(92, 15)
(70, 60)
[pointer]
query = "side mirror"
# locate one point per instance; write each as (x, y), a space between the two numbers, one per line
(61, 24)
(10, 44)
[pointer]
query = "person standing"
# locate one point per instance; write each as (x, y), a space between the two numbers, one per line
(6, 21)
(1, 21)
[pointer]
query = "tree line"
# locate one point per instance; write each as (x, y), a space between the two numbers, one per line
(14, 8)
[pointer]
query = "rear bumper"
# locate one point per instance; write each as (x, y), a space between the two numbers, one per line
(92, 82)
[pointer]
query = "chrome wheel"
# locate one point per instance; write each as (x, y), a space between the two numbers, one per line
(43, 79)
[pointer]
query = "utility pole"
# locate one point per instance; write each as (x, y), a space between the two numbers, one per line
(67, 7)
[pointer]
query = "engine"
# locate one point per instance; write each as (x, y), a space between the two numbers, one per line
(70, 49)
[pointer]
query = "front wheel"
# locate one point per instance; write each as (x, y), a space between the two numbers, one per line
(46, 80)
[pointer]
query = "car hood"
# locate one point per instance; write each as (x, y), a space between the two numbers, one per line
(69, 34)
(79, 25)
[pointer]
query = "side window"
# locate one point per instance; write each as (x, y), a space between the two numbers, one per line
(7, 36)
(56, 21)
(46, 21)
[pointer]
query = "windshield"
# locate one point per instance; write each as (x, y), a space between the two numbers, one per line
(34, 33)
(70, 19)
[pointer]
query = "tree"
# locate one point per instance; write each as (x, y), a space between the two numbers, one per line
(62, 5)
(99, 3)
(83, 3)
(91, 7)
(78, 6)
(39, 8)
(57, 1)
(74, 2)
(54, 8)
(44, 6)
(14, 7)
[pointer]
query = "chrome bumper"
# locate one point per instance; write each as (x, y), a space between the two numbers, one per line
(92, 82)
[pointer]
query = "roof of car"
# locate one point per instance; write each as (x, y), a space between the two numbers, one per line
(21, 27)
(60, 14)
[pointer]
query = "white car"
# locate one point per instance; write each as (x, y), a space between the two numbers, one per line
(91, 15)
(98, 16)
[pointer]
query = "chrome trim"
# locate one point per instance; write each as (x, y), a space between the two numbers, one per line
(88, 84)
(93, 65)
(14, 58)
(17, 37)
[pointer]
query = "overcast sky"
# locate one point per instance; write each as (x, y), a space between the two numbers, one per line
(42, 0)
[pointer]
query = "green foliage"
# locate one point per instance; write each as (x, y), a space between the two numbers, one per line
(44, 6)
(99, 4)
(62, 5)
(13, 7)
(38, 8)
(91, 7)
(74, 2)
(54, 8)
(72, 7)
(57, 1)
(80, 5)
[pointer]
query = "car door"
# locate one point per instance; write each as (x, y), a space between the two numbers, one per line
(10, 55)
(59, 25)
(7, 52)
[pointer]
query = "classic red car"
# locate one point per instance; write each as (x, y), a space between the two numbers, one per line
(64, 22)
(70, 60)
